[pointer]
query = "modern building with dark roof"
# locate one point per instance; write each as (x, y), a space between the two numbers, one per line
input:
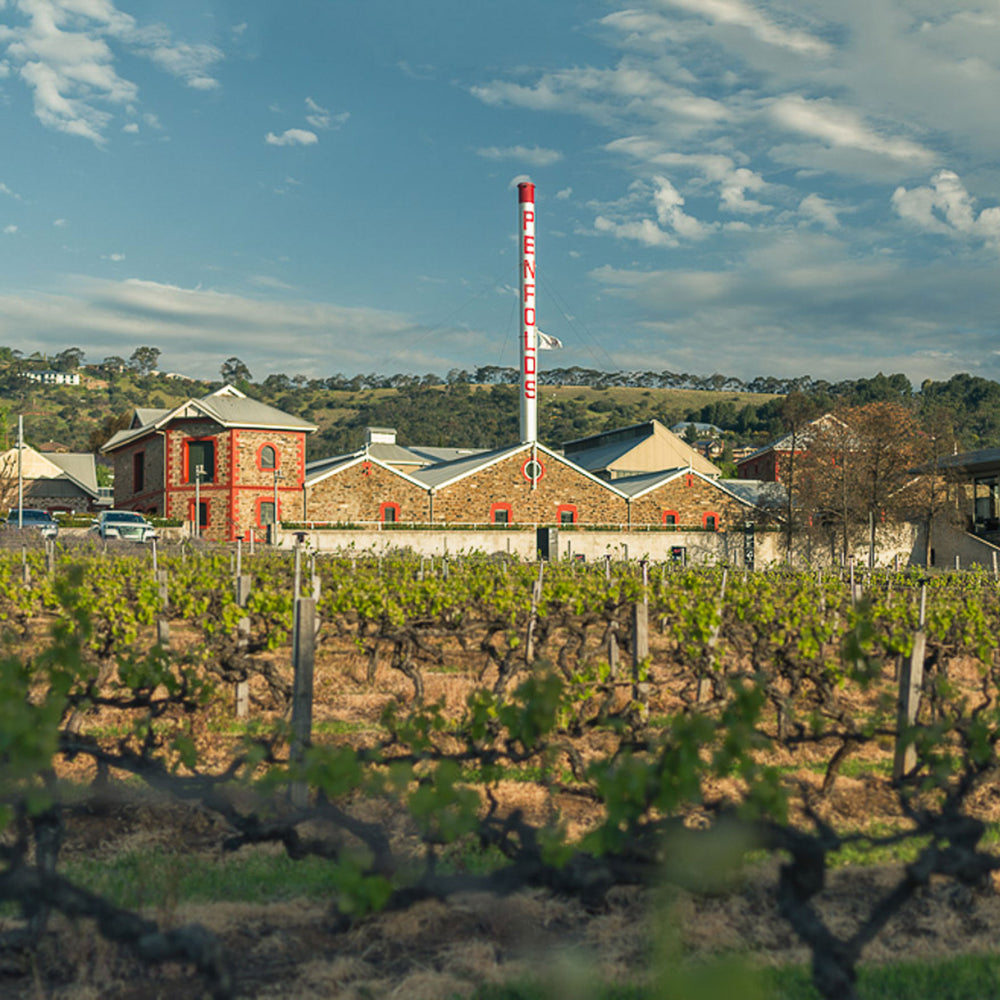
(634, 450)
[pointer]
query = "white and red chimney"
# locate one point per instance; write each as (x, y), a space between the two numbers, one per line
(529, 332)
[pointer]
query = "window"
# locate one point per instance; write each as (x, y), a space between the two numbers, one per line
(200, 453)
(567, 513)
(265, 513)
(671, 518)
(389, 513)
(138, 471)
(500, 513)
(268, 457)
(202, 513)
(532, 470)
(710, 521)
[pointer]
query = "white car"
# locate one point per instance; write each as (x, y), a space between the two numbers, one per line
(123, 524)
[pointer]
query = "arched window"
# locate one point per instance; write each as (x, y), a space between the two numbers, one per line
(671, 518)
(268, 457)
(710, 521)
(388, 513)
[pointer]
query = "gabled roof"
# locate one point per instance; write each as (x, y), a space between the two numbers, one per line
(436, 477)
(227, 406)
(635, 487)
(77, 468)
(318, 471)
(803, 436)
(648, 446)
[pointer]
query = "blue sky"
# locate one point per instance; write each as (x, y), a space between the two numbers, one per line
(753, 187)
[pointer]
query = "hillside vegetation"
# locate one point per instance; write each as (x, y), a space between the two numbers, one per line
(477, 409)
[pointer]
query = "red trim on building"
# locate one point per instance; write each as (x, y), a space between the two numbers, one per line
(260, 457)
(541, 469)
(566, 508)
(717, 521)
(667, 514)
(498, 507)
(387, 506)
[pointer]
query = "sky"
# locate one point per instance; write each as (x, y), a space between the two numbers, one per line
(751, 187)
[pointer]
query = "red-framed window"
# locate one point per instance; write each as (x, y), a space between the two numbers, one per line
(265, 513)
(203, 512)
(199, 451)
(388, 513)
(138, 471)
(268, 458)
(500, 513)
(671, 518)
(710, 520)
(566, 513)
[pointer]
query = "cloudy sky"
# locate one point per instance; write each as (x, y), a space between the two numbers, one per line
(753, 187)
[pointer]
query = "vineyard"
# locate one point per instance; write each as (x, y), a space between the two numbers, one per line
(411, 731)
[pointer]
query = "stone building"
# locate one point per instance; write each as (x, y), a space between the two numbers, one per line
(57, 481)
(233, 456)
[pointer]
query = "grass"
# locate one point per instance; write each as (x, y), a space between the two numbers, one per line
(971, 977)
(158, 878)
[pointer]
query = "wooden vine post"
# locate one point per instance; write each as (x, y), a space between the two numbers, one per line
(243, 585)
(911, 679)
(640, 649)
(162, 622)
(303, 663)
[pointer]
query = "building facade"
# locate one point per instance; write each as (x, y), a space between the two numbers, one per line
(226, 464)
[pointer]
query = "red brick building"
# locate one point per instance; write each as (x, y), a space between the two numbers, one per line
(231, 455)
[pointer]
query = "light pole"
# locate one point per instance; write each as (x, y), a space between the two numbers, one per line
(199, 471)
(278, 475)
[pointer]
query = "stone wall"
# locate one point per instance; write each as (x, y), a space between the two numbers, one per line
(690, 498)
(471, 500)
(358, 493)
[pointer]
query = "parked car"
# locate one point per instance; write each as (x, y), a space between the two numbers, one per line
(123, 524)
(38, 520)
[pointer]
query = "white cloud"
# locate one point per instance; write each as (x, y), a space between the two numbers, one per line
(197, 328)
(116, 258)
(535, 156)
(564, 193)
(189, 63)
(838, 126)
(814, 208)
(292, 137)
(131, 128)
(7, 191)
(63, 54)
(60, 223)
(736, 13)
(668, 211)
(318, 117)
(947, 207)
(643, 231)
(10, 230)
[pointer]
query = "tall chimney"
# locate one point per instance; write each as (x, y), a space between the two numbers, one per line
(529, 336)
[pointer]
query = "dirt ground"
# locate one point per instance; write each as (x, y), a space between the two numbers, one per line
(299, 950)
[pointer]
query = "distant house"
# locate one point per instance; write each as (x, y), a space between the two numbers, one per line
(770, 463)
(53, 377)
(634, 450)
(56, 481)
(231, 455)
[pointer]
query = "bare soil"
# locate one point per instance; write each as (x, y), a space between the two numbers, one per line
(439, 950)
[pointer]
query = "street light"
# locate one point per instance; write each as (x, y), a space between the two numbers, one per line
(199, 471)
(278, 475)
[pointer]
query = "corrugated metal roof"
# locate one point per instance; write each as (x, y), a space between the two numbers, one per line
(435, 476)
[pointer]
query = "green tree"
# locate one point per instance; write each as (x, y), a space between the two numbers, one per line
(144, 359)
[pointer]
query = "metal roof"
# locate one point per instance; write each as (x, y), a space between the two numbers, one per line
(226, 406)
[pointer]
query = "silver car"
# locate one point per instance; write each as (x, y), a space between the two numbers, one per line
(38, 520)
(123, 524)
